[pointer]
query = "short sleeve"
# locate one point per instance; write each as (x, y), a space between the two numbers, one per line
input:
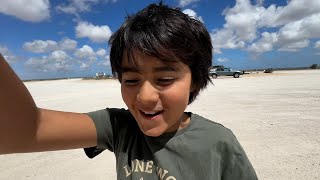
(237, 165)
(102, 122)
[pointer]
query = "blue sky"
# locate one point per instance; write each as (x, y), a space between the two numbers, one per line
(52, 39)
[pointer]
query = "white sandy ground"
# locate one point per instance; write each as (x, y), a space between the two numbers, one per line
(276, 118)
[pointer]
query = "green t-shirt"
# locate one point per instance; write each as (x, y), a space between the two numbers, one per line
(203, 150)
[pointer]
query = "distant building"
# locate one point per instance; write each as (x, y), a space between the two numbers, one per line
(100, 75)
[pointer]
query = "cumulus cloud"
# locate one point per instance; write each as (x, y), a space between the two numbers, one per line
(57, 61)
(240, 27)
(226, 39)
(3, 49)
(86, 52)
(104, 58)
(27, 10)
(317, 45)
(78, 6)
(294, 46)
(296, 35)
(292, 26)
(242, 20)
(62, 60)
(290, 37)
(46, 46)
(222, 60)
(260, 2)
(294, 11)
(68, 44)
(101, 52)
(105, 62)
(84, 66)
(100, 61)
(265, 43)
(193, 14)
(40, 46)
(97, 34)
(59, 55)
(6, 53)
(186, 2)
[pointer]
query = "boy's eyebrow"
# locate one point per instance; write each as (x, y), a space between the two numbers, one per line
(164, 68)
(156, 69)
(129, 69)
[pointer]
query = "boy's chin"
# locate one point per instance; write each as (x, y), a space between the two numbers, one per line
(153, 132)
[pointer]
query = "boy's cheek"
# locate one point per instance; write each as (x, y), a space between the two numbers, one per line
(126, 95)
(177, 98)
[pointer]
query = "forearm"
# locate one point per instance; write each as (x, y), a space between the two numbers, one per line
(18, 112)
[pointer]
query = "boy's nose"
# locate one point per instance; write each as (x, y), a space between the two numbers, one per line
(148, 95)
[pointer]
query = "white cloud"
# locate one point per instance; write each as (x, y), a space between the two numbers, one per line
(226, 39)
(242, 20)
(294, 46)
(3, 50)
(78, 6)
(293, 26)
(68, 44)
(104, 61)
(46, 46)
(97, 34)
(101, 52)
(40, 46)
(296, 35)
(104, 58)
(9, 57)
(27, 10)
(260, 2)
(264, 44)
(317, 45)
(240, 27)
(57, 61)
(306, 28)
(193, 14)
(38, 64)
(59, 55)
(86, 52)
(186, 2)
(296, 10)
(223, 60)
(84, 66)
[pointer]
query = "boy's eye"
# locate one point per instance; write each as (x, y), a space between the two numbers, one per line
(131, 81)
(166, 81)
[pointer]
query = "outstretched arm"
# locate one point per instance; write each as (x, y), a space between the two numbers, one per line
(26, 128)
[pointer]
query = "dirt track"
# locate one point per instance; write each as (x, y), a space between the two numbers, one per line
(276, 118)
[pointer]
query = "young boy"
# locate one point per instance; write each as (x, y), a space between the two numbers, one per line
(161, 57)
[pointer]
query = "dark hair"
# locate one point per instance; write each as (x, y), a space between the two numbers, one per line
(167, 34)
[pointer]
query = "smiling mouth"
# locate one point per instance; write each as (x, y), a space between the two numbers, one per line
(151, 114)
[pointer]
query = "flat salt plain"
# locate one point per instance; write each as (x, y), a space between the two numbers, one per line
(276, 118)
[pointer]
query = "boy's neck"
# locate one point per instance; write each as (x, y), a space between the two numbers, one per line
(185, 121)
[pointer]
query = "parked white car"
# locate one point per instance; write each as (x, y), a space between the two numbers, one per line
(214, 73)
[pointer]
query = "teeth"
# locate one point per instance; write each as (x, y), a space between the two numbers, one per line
(150, 112)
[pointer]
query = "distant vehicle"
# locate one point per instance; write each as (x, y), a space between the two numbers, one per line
(269, 70)
(214, 73)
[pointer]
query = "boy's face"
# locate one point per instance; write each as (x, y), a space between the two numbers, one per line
(156, 93)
